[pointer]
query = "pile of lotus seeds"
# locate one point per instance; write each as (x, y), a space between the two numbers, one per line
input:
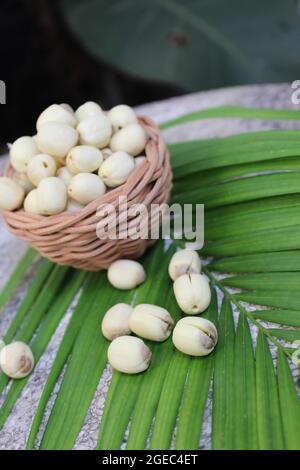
(129, 354)
(74, 158)
(192, 335)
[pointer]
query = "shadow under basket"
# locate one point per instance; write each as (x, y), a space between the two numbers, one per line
(70, 238)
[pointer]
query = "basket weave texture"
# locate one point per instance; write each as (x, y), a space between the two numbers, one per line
(70, 238)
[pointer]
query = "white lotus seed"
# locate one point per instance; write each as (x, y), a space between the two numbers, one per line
(16, 360)
(65, 175)
(88, 110)
(131, 139)
(31, 202)
(52, 196)
(56, 139)
(184, 262)
(192, 293)
(73, 206)
(129, 354)
(115, 170)
(56, 113)
(39, 167)
(21, 151)
(95, 130)
(115, 321)
(68, 108)
(23, 180)
(126, 274)
(122, 115)
(195, 336)
(11, 194)
(86, 187)
(151, 322)
(138, 161)
(84, 159)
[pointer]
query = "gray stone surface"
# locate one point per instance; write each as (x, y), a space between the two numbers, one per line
(15, 431)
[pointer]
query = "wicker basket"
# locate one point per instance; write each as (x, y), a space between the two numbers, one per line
(70, 238)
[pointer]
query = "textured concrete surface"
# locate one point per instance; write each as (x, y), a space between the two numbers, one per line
(15, 431)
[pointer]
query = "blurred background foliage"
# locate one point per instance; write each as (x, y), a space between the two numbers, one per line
(137, 51)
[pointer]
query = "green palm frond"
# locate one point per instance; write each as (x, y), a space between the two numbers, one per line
(289, 403)
(196, 391)
(234, 112)
(250, 185)
(245, 409)
(84, 370)
(223, 382)
(17, 276)
(44, 334)
(269, 420)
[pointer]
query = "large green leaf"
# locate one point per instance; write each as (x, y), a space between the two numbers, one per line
(289, 403)
(47, 328)
(234, 112)
(195, 393)
(17, 276)
(244, 414)
(262, 262)
(272, 298)
(83, 372)
(81, 309)
(29, 324)
(132, 390)
(270, 432)
(284, 317)
(265, 281)
(151, 388)
(223, 382)
(246, 189)
(252, 217)
(203, 155)
(280, 239)
(287, 335)
(232, 172)
(169, 401)
(38, 283)
(193, 44)
(119, 406)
